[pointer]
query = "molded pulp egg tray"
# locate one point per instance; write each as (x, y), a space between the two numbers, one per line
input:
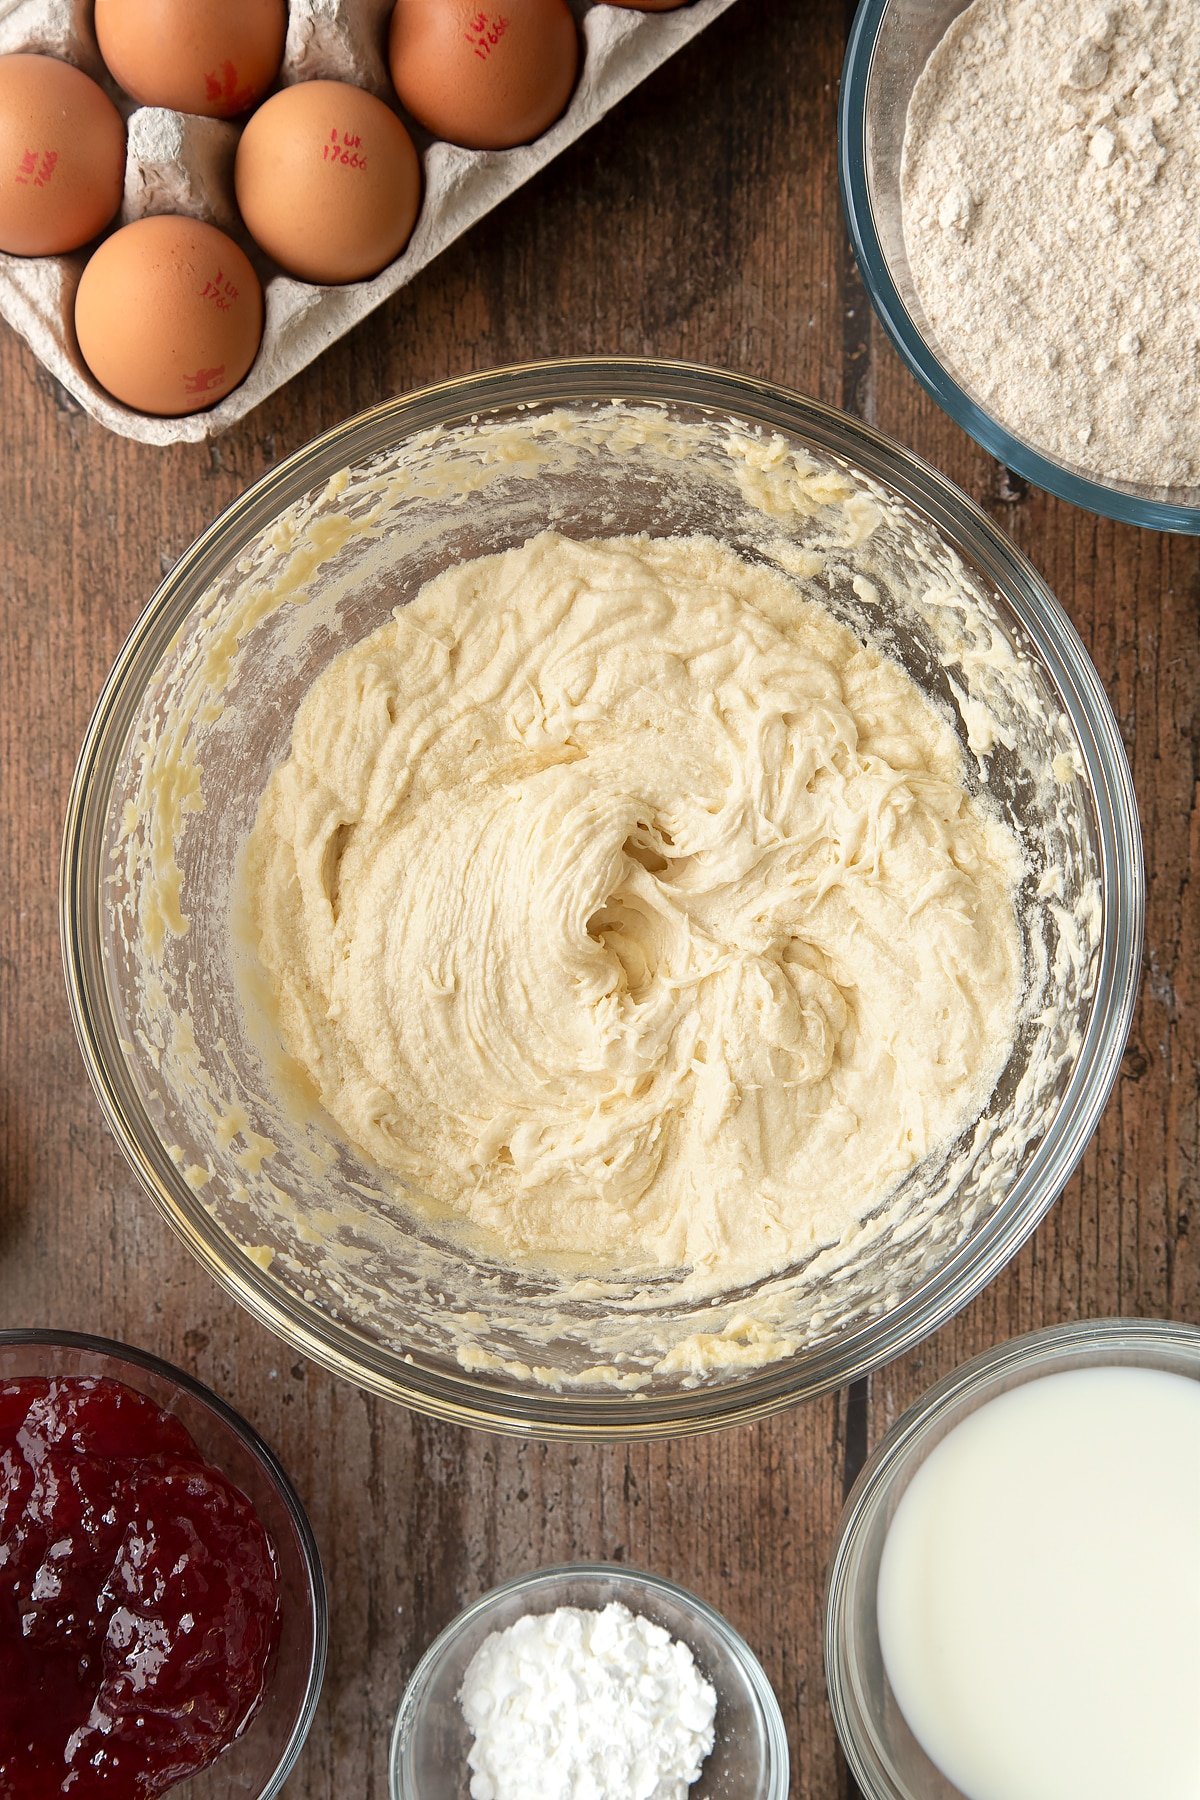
(179, 163)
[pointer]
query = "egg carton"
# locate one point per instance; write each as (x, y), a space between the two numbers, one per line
(179, 163)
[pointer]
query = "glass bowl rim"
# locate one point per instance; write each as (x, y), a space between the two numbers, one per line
(1027, 1354)
(918, 355)
(757, 1681)
(460, 1396)
(129, 1355)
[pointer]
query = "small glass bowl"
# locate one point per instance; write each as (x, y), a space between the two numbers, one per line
(258, 1763)
(890, 43)
(749, 1760)
(885, 1758)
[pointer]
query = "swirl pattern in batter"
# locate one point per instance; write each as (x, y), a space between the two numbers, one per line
(618, 898)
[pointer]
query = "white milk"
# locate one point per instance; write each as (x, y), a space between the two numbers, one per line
(1039, 1593)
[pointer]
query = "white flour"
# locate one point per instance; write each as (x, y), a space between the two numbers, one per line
(577, 1705)
(1051, 193)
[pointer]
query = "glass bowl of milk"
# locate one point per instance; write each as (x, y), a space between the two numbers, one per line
(1013, 1609)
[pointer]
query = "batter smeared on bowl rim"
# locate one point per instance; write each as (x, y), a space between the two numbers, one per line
(619, 898)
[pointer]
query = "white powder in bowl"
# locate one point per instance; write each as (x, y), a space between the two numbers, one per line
(584, 1705)
(1050, 189)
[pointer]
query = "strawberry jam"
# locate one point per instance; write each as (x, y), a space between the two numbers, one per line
(139, 1599)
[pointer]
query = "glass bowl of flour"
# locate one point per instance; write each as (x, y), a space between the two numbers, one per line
(602, 899)
(589, 1678)
(1019, 185)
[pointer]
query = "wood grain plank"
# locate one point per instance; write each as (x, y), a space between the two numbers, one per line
(700, 220)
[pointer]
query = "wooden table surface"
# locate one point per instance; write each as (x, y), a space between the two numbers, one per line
(699, 220)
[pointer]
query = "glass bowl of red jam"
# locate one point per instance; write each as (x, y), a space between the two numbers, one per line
(163, 1619)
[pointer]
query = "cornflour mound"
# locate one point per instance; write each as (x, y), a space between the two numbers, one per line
(582, 1705)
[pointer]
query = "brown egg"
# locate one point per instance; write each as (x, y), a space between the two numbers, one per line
(487, 76)
(215, 57)
(328, 181)
(169, 315)
(62, 156)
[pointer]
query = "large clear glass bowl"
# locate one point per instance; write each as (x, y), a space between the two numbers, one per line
(257, 1765)
(431, 1740)
(885, 1758)
(890, 43)
(199, 709)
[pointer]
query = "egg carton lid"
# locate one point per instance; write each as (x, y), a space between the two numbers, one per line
(180, 163)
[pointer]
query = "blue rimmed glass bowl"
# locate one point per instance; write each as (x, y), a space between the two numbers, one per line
(890, 43)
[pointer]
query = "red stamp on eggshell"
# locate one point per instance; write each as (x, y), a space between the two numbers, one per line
(204, 380)
(484, 32)
(35, 168)
(220, 291)
(345, 149)
(221, 90)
